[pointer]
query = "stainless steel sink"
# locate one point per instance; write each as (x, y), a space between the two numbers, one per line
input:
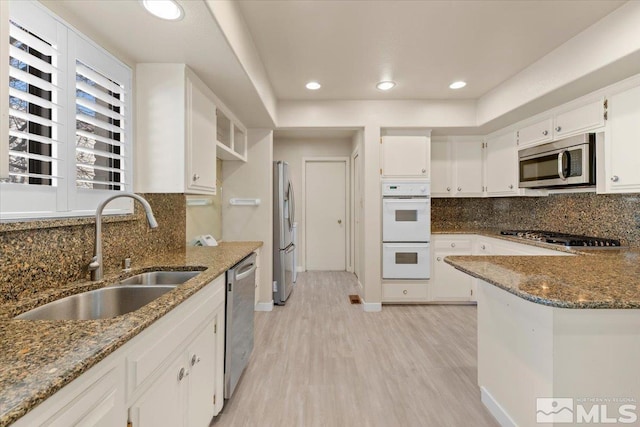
(101, 303)
(159, 278)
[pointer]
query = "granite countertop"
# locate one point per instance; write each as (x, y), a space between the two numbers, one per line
(600, 279)
(39, 357)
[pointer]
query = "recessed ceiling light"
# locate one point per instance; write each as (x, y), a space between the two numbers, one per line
(386, 85)
(457, 85)
(313, 85)
(165, 9)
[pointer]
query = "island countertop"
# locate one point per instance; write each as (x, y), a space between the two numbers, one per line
(40, 357)
(592, 279)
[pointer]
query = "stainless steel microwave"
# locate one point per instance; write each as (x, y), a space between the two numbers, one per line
(564, 163)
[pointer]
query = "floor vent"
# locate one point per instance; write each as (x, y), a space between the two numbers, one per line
(354, 299)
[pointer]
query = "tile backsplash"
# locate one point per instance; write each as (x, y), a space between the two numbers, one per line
(600, 215)
(41, 258)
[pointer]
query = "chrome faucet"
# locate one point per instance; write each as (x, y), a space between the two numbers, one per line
(96, 262)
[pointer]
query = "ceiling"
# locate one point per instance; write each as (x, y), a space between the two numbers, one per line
(348, 46)
(125, 27)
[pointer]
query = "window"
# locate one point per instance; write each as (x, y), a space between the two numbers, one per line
(69, 120)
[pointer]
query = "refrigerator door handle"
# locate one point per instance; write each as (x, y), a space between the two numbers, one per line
(292, 205)
(290, 247)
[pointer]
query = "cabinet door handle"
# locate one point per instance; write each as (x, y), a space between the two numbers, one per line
(615, 178)
(196, 177)
(483, 247)
(558, 129)
(181, 374)
(448, 188)
(439, 259)
(545, 132)
(511, 187)
(424, 171)
(459, 188)
(194, 359)
(339, 221)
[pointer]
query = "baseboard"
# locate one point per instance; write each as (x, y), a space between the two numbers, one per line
(498, 412)
(264, 306)
(371, 307)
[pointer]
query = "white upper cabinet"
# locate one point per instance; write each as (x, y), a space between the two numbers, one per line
(467, 168)
(536, 133)
(441, 174)
(456, 167)
(562, 124)
(501, 166)
(579, 120)
(622, 142)
(176, 128)
(405, 156)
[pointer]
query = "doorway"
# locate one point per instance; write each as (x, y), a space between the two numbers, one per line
(326, 222)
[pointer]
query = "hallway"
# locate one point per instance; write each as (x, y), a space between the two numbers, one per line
(320, 361)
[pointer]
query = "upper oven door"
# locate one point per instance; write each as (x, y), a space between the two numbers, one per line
(559, 167)
(406, 220)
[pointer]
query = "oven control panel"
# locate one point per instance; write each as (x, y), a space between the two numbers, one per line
(418, 188)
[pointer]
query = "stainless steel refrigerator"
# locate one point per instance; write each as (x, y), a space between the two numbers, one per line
(283, 219)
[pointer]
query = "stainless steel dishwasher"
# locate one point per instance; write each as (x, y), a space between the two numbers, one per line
(239, 321)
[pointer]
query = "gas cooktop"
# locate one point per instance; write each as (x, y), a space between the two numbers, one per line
(568, 240)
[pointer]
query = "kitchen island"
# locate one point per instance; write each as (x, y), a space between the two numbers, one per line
(558, 327)
(39, 358)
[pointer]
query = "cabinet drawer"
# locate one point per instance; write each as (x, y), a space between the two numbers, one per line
(404, 291)
(453, 245)
(587, 117)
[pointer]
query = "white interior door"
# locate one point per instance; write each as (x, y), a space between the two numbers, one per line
(357, 208)
(325, 215)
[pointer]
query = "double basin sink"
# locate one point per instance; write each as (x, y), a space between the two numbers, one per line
(122, 297)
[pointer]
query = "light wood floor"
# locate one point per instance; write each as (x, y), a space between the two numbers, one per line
(320, 361)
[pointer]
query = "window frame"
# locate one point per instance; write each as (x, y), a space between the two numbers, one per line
(23, 201)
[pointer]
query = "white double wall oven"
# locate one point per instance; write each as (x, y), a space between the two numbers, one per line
(406, 229)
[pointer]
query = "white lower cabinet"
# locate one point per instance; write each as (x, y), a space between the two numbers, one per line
(450, 285)
(447, 283)
(141, 382)
(183, 394)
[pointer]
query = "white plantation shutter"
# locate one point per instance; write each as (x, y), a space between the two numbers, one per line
(34, 109)
(69, 120)
(100, 123)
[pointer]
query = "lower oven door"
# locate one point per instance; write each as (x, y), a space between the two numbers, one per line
(406, 261)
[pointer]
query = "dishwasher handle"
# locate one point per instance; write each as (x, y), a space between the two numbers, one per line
(246, 271)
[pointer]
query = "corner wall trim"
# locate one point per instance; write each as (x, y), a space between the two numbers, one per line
(371, 307)
(498, 412)
(264, 306)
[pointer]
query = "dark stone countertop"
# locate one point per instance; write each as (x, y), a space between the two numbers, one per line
(40, 357)
(596, 279)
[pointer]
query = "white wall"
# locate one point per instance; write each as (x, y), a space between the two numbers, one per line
(248, 180)
(206, 219)
(293, 151)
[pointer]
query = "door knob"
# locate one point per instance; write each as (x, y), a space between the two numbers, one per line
(339, 221)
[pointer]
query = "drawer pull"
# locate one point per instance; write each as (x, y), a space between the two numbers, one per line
(404, 292)
(453, 245)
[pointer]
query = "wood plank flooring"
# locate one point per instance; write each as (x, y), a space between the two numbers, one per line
(321, 361)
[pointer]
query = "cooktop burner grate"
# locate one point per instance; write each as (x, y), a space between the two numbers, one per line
(569, 240)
